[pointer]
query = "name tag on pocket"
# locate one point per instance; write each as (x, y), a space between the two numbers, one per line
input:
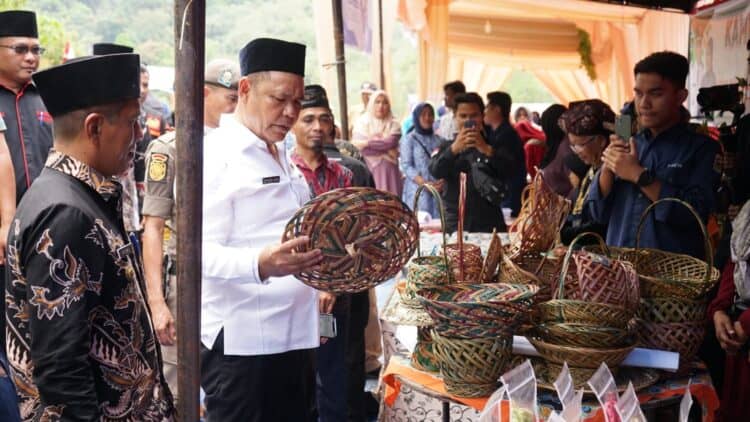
(269, 180)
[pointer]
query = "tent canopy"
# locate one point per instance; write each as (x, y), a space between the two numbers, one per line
(482, 41)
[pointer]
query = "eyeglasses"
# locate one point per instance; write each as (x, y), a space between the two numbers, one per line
(23, 49)
(581, 146)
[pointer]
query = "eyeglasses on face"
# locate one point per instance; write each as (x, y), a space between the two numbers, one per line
(583, 145)
(23, 49)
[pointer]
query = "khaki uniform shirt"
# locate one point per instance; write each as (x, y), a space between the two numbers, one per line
(159, 198)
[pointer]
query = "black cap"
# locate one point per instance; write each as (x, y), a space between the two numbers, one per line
(18, 23)
(103, 48)
(315, 96)
(88, 82)
(268, 54)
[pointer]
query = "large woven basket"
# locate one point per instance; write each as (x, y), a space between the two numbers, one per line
(472, 367)
(665, 274)
(684, 338)
(581, 357)
(486, 304)
(668, 310)
(465, 258)
(598, 278)
(366, 236)
(538, 224)
(426, 271)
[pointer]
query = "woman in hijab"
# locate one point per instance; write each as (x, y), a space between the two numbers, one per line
(416, 149)
(588, 125)
(553, 163)
(376, 134)
(730, 311)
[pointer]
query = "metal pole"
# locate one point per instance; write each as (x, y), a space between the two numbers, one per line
(380, 44)
(338, 36)
(190, 23)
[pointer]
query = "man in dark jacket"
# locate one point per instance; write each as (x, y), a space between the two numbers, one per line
(501, 132)
(488, 166)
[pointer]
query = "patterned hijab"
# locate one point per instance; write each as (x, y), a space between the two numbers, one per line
(369, 125)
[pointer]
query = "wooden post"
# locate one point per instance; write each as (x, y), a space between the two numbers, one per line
(338, 36)
(190, 23)
(380, 44)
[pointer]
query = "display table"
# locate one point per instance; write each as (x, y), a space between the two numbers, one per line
(411, 394)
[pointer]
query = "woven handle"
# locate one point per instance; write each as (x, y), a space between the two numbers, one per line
(436, 195)
(704, 231)
(461, 214)
(566, 260)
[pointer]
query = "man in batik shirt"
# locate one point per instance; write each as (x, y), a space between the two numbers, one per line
(80, 339)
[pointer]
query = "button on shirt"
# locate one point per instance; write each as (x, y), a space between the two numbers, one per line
(682, 161)
(248, 197)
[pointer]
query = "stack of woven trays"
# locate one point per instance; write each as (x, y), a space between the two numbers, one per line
(672, 309)
(589, 321)
(473, 332)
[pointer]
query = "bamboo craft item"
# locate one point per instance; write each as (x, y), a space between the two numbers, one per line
(472, 367)
(465, 258)
(598, 278)
(366, 236)
(426, 271)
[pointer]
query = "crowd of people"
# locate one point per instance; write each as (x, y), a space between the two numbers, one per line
(87, 177)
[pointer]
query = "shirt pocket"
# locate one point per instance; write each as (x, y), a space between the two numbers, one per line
(674, 175)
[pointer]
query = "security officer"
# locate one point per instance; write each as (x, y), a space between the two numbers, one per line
(159, 210)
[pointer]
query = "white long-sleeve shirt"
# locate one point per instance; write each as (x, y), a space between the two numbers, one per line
(248, 197)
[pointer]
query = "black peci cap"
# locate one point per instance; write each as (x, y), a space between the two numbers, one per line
(18, 23)
(315, 96)
(103, 48)
(268, 54)
(88, 82)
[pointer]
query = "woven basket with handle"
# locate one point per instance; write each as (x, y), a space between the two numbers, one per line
(598, 278)
(661, 310)
(684, 338)
(366, 236)
(426, 271)
(465, 258)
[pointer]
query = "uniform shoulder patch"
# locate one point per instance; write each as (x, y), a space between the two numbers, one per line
(157, 167)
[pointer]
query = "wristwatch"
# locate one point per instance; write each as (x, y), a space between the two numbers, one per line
(646, 178)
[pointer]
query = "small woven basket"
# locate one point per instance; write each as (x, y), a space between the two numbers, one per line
(366, 236)
(539, 221)
(465, 258)
(584, 335)
(544, 269)
(423, 357)
(684, 338)
(581, 357)
(472, 367)
(668, 310)
(598, 278)
(426, 271)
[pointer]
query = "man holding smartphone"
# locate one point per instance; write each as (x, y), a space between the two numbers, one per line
(487, 166)
(666, 159)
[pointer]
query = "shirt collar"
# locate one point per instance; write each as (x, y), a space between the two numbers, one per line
(299, 162)
(669, 133)
(107, 187)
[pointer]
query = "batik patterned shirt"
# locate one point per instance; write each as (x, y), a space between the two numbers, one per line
(328, 176)
(80, 340)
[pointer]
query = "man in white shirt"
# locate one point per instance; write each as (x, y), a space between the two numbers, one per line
(447, 127)
(259, 325)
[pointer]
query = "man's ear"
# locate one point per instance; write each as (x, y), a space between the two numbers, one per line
(244, 85)
(682, 95)
(92, 126)
(206, 91)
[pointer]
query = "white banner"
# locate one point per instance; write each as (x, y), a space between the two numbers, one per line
(718, 41)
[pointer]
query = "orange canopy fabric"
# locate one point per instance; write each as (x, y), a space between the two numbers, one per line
(481, 41)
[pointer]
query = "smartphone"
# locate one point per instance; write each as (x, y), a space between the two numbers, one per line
(470, 124)
(327, 326)
(624, 127)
